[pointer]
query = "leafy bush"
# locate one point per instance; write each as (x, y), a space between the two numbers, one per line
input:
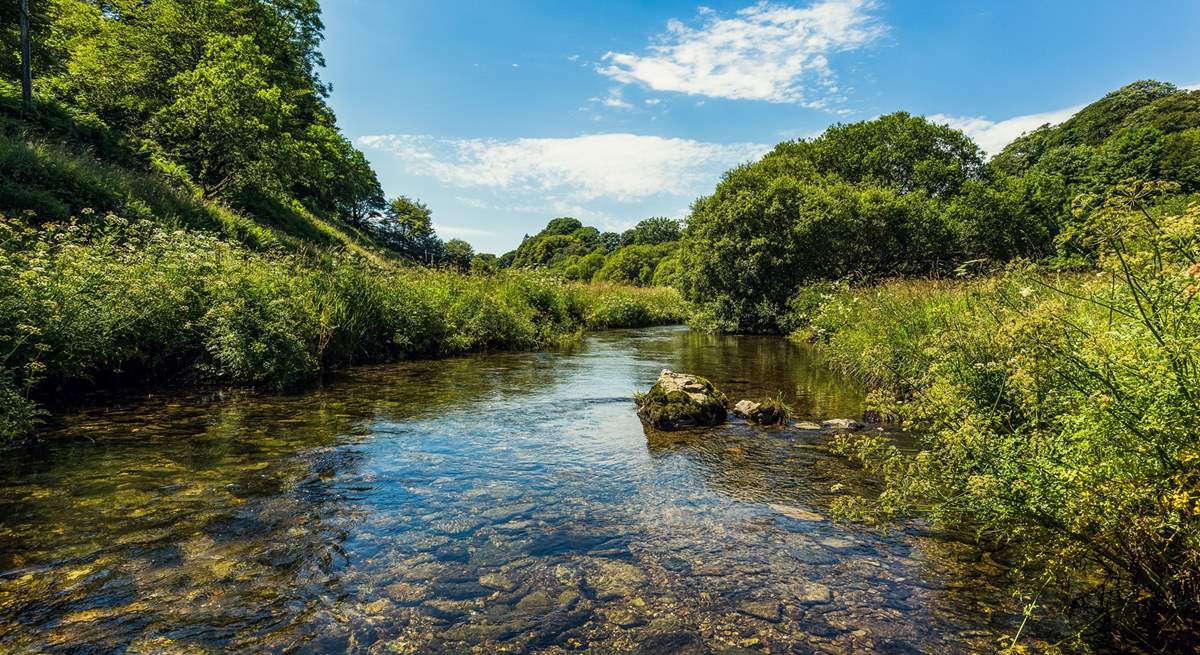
(1059, 414)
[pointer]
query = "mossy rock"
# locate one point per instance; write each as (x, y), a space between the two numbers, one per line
(681, 400)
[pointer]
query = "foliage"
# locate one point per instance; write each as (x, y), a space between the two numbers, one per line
(221, 99)
(1143, 130)
(651, 232)
(634, 264)
(459, 254)
(863, 201)
(1058, 413)
(900, 196)
(97, 300)
(579, 252)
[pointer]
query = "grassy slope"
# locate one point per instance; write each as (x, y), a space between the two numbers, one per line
(57, 164)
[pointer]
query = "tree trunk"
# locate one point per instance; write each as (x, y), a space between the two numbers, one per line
(26, 55)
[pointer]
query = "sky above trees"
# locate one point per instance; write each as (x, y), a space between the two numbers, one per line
(502, 115)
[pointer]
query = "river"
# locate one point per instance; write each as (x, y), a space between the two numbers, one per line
(496, 503)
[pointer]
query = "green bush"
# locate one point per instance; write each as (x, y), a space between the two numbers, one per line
(1059, 414)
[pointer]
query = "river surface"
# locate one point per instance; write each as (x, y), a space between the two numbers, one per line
(498, 503)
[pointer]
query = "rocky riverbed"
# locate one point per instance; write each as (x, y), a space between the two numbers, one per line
(507, 503)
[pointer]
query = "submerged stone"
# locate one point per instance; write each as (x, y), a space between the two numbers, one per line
(680, 400)
(842, 424)
(765, 610)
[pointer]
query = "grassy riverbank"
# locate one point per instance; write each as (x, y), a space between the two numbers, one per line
(1059, 412)
(103, 301)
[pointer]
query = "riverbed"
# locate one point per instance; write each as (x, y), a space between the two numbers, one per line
(495, 503)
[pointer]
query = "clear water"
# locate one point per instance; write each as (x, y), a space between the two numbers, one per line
(500, 503)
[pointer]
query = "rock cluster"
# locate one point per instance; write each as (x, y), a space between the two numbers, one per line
(680, 400)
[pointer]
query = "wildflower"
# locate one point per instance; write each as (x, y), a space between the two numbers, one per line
(1026, 292)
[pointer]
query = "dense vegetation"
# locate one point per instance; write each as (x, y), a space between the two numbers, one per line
(221, 98)
(644, 255)
(1058, 412)
(900, 196)
(104, 298)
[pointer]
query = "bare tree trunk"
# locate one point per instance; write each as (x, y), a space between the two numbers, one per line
(26, 55)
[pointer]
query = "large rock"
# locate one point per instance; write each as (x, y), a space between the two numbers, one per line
(680, 400)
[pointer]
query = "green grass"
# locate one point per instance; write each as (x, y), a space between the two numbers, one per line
(104, 300)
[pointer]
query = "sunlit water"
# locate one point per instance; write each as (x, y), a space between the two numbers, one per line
(500, 503)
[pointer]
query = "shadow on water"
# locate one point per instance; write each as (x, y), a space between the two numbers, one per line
(506, 502)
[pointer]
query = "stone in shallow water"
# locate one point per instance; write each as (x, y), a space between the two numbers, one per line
(614, 580)
(842, 424)
(507, 511)
(807, 425)
(498, 582)
(796, 513)
(680, 400)
(767, 610)
(766, 413)
(623, 617)
(456, 527)
(812, 593)
(444, 610)
(406, 593)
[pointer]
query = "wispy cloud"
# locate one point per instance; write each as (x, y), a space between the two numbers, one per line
(772, 52)
(614, 100)
(992, 136)
(616, 167)
(462, 232)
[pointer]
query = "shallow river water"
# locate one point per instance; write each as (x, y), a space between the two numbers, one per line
(499, 503)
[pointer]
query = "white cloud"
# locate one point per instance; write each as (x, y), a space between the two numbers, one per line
(992, 136)
(614, 100)
(613, 167)
(771, 52)
(652, 101)
(461, 232)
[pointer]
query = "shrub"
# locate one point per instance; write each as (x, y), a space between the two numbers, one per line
(1059, 414)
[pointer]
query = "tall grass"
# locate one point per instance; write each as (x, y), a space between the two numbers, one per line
(1059, 414)
(104, 300)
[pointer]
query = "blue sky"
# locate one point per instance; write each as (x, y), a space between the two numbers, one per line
(503, 115)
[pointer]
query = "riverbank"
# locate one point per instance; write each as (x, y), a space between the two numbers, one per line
(104, 301)
(1058, 412)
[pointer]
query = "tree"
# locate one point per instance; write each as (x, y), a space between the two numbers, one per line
(484, 264)
(458, 254)
(634, 264)
(227, 122)
(863, 201)
(407, 228)
(652, 231)
(26, 58)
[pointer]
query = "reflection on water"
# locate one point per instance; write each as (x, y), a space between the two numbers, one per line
(502, 503)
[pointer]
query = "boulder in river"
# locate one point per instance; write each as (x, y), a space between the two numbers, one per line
(680, 400)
